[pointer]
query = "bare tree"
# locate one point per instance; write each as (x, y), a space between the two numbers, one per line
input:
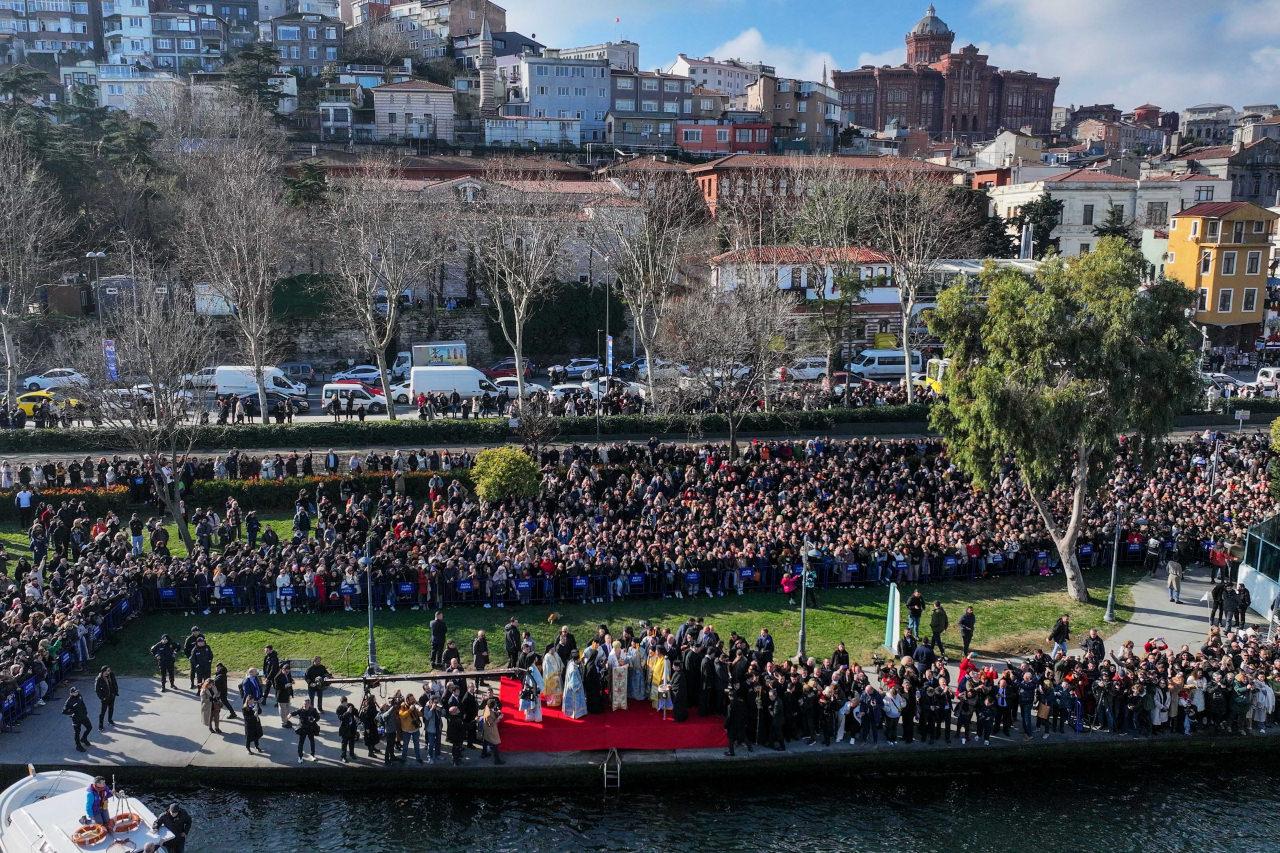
(382, 42)
(138, 391)
(383, 238)
(518, 230)
(917, 222)
(238, 236)
(33, 227)
(648, 245)
(824, 234)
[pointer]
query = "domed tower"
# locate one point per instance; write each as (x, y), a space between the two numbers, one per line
(929, 40)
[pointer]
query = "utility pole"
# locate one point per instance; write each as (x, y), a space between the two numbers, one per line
(804, 603)
(1110, 615)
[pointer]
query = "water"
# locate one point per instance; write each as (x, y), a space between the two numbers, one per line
(1174, 808)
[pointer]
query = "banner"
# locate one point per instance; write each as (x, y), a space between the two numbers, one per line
(893, 619)
(109, 354)
(608, 355)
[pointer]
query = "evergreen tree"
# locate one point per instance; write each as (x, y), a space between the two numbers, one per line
(307, 188)
(991, 237)
(1043, 214)
(250, 70)
(1116, 226)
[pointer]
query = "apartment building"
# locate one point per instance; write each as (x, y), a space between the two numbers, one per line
(433, 24)
(623, 55)
(805, 114)
(306, 42)
(730, 76)
(122, 87)
(178, 40)
(524, 131)
(1220, 250)
(651, 92)
(547, 85)
(415, 109)
(35, 28)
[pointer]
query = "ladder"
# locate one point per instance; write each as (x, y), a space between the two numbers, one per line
(612, 771)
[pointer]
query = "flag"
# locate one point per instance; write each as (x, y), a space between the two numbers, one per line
(892, 619)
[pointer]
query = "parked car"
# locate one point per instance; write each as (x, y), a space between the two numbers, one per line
(578, 368)
(299, 371)
(511, 385)
(27, 402)
(507, 367)
(808, 369)
(883, 364)
(371, 387)
(567, 390)
(735, 371)
(202, 380)
(373, 403)
(59, 377)
(1226, 381)
(361, 373)
(662, 369)
(604, 384)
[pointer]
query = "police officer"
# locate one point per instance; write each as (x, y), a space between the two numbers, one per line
(166, 654)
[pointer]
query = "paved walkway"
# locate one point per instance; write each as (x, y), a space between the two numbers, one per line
(1155, 616)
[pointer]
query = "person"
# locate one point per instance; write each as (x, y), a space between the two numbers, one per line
(409, 724)
(439, 631)
(575, 696)
(251, 688)
(308, 727)
(220, 677)
(284, 696)
(270, 666)
(915, 609)
(188, 646)
(531, 692)
(178, 821)
(480, 651)
(1243, 600)
(252, 726)
(79, 714)
(735, 721)
(316, 676)
(210, 706)
(106, 688)
(968, 621)
(490, 718)
(679, 687)
(553, 688)
(201, 660)
(166, 654)
(96, 799)
(433, 724)
(511, 641)
(937, 626)
(348, 729)
(455, 726)
(619, 673)
(1175, 580)
(1060, 635)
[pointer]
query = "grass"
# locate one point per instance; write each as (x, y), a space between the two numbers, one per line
(1014, 616)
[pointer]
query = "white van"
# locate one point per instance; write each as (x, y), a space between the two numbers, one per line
(882, 364)
(445, 379)
(239, 379)
(373, 403)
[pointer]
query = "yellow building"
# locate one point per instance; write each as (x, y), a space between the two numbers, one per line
(1220, 250)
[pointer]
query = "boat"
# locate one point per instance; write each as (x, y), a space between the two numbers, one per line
(42, 813)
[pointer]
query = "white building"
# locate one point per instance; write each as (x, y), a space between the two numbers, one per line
(1088, 196)
(730, 76)
(416, 109)
(623, 55)
(121, 87)
(126, 31)
(526, 130)
(790, 267)
(1010, 148)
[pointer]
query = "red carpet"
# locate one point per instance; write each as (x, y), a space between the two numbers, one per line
(638, 727)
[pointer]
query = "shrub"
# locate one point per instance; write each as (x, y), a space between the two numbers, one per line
(505, 472)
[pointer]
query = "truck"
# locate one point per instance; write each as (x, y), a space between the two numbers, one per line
(430, 354)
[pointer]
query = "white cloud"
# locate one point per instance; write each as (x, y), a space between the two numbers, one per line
(892, 56)
(790, 60)
(1179, 53)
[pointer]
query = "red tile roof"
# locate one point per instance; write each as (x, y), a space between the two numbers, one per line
(1088, 176)
(857, 163)
(800, 255)
(1211, 152)
(1212, 208)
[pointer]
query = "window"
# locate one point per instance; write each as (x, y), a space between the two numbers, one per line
(692, 135)
(671, 85)
(1253, 263)
(330, 33)
(1211, 229)
(288, 33)
(1169, 257)
(1084, 248)
(671, 106)
(1224, 300)
(722, 134)
(625, 105)
(311, 33)
(649, 106)
(1204, 194)
(708, 104)
(1250, 301)
(1237, 232)
(1195, 228)
(626, 83)
(1157, 212)
(187, 44)
(562, 91)
(743, 135)
(313, 52)
(391, 117)
(164, 44)
(649, 84)
(1088, 214)
(1206, 262)
(1228, 263)
(1259, 226)
(1203, 303)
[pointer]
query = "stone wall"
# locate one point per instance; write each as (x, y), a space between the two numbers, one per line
(325, 341)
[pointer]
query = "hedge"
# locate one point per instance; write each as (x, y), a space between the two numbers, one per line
(416, 433)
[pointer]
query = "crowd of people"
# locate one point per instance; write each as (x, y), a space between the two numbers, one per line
(614, 521)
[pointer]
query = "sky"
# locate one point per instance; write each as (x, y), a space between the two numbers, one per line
(1173, 53)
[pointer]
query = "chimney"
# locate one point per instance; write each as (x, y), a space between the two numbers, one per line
(1174, 143)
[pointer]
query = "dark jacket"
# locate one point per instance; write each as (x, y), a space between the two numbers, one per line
(106, 687)
(75, 709)
(938, 620)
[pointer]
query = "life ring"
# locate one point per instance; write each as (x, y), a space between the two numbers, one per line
(126, 822)
(89, 834)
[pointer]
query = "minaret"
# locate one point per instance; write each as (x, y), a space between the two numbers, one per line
(488, 69)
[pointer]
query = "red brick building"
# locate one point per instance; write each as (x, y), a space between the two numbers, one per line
(717, 136)
(959, 94)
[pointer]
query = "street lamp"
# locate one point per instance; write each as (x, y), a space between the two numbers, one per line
(806, 580)
(1110, 615)
(94, 258)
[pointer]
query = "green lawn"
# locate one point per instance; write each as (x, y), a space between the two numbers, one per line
(1014, 615)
